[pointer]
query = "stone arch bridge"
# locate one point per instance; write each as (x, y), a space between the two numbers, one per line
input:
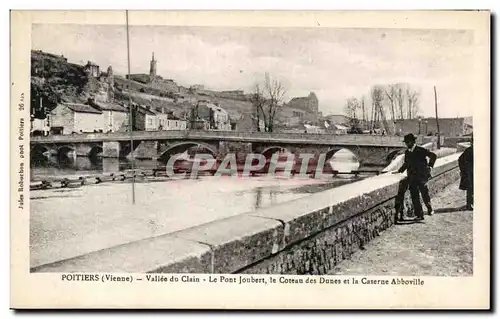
(369, 149)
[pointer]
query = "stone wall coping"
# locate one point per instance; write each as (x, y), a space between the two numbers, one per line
(236, 242)
(147, 255)
(345, 192)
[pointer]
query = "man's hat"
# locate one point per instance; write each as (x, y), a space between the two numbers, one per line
(409, 138)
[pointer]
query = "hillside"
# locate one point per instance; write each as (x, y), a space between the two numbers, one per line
(54, 80)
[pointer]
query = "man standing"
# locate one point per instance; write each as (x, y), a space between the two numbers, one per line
(466, 165)
(419, 172)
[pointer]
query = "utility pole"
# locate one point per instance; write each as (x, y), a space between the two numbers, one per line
(437, 119)
(131, 111)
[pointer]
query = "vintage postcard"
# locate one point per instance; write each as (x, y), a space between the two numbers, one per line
(250, 159)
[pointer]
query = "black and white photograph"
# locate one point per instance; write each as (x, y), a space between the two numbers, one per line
(313, 154)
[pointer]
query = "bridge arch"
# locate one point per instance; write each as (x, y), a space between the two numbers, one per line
(38, 152)
(269, 151)
(351, 161)
(95, 151)
(392, 155)
(334, 150)
(181, 147)
(63, 152)
(38, 133)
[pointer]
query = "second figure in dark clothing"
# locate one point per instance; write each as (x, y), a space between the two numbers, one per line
(466, 165)
(418, 174)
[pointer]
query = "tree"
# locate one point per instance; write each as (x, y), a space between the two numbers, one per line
(44, 98)
(413, 103)
(377, 93)
(258, 102)
(400, 97)
(364, 118)
(267, 100)
(391, 93)
(351, 110)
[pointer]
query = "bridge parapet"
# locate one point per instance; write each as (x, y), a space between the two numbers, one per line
(349, 139)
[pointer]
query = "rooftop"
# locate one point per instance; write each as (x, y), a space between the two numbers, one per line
(110, 107)
(82, 108)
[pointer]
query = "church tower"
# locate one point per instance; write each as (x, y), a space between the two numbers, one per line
(152, 68)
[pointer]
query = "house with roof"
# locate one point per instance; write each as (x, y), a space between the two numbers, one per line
(216, 116)
(145, 118)
(168, 121)
(115, 116)
(71, 118)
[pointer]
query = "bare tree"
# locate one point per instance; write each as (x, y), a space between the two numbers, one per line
(351, 111)
(258, 102)
(377, 93)
(400, 98)
(267, 100)
(351, 108)
(391, 93)
(275, 92)
(413, 103)
(363, 112)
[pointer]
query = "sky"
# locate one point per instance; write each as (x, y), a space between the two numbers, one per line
(334, 63)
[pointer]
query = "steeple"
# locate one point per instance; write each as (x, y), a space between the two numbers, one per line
(152, 68)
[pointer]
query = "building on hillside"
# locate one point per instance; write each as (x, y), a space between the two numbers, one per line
(92, 69)
(291, 116)
(428, 126)
(106, 90)
(115, 116)
(153, 80)
(39, 127)
(168, 121)
(217, 117)
(164, 84)
(313, 129)
(71, 118)
(337, 119)
(145, 119)
(233, 95)
(337, 129)
(292, 121)
(308, 103)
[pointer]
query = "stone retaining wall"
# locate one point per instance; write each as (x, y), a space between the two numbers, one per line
(309, 235)
(318, 254)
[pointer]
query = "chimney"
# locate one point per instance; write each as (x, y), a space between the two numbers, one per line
(91, 101)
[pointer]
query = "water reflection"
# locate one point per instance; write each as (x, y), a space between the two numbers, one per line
(78, 165)
(342, 161)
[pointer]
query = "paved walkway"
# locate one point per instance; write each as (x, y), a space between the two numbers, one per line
(439, 246)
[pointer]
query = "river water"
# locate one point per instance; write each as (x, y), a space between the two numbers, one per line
(73, 221)
(342, 161)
